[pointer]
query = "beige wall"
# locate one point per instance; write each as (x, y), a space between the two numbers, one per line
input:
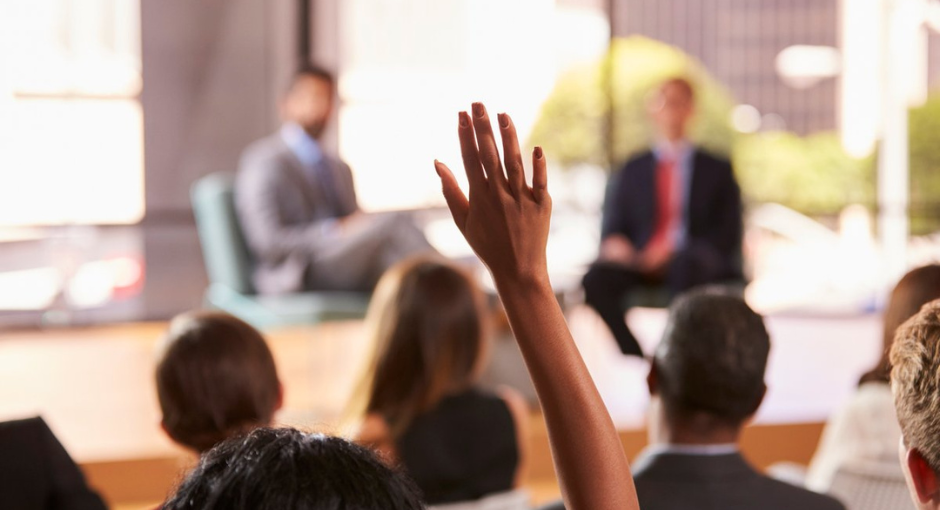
(212, 71)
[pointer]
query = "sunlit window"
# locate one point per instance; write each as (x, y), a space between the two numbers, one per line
(403, 82)
(71, 125)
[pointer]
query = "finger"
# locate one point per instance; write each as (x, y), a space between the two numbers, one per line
(456, 201)
(489, 154)
(515, 173)
(468, 149)
(539, 176)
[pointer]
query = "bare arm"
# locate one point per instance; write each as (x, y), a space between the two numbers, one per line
(507, 222)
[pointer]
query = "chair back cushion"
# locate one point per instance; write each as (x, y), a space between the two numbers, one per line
(872, 486)
(228, 261)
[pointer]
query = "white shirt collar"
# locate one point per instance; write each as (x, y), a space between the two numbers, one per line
(301, 144)
(691, 449)
(676, 151)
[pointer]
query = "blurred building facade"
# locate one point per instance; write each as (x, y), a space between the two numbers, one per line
(738, 42)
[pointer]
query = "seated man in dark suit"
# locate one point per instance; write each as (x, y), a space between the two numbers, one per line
(36, 473)
(915, 358)
(706, 382)
(297, 205)
(672, 216)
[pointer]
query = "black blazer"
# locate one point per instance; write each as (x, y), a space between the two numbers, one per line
(717, 482)
(668, 481)
(36, 473)
(712, 212)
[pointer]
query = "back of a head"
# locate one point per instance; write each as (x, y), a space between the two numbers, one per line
(915, 382)
(712, 358)
(917, 288)
(427, 319)
(285, 469)
(215, 378)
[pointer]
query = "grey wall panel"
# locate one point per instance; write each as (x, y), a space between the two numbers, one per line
(212, 70)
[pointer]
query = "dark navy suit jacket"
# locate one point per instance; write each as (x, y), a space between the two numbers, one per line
(669, 481)
(712, 212)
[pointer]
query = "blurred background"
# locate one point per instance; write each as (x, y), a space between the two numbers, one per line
(111, 109)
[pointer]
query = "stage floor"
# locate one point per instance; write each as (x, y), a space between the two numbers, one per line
(94, 386)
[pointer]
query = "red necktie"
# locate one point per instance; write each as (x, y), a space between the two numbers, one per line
(665, 201)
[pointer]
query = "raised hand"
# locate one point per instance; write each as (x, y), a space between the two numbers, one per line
(505, 220)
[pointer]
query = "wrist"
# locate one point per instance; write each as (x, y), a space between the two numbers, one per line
(522, 282)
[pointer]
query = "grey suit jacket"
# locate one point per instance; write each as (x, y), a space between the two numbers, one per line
(284, 214)
(668, 481)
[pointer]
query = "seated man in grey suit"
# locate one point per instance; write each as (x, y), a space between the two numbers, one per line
(706, 382)
(298, 210)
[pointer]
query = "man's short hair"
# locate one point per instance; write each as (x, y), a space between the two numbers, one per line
(712, 358)
(311, 70)
(683, 83)
(915, 358)
(215, 378)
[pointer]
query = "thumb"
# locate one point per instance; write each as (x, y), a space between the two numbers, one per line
(456, 201)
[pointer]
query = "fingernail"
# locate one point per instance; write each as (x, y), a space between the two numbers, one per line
(478, 110)
(538, 153)
(464, 119)
(437, 167)
(503, 120)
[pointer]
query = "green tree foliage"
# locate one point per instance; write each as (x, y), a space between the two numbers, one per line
(811, 174)
(573, 123)
(925, 165)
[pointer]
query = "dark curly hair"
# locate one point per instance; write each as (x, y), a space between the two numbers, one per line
(286, 469)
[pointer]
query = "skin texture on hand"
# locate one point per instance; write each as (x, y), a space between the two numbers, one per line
(506, 222)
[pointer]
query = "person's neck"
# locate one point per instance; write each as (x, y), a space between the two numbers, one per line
(672, 144)
(696, 431)
(682, 436)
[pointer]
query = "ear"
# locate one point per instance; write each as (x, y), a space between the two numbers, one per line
(926, 486)
(283, 108)
(651, 380)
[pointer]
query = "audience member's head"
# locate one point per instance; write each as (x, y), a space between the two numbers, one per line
(215, 378)
(309, 99)
(916, 288)
(915, 382)
(427, 319)
(707, 376)
(285, 469)
(672, 107)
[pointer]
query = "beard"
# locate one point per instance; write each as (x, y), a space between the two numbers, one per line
(315, 129)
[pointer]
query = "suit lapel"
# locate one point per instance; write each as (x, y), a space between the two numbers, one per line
(697, 190)
(300, 180)
(646, 196)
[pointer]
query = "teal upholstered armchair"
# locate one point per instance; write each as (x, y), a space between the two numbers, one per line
(228, 264)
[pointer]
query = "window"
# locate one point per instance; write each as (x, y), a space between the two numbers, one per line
(71, 125)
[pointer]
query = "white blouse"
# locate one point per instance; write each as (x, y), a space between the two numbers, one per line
(865, 430)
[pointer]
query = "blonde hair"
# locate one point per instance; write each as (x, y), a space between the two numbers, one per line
(915, 382)
(427, 321)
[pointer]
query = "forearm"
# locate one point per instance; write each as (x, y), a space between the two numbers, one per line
(589, 459)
